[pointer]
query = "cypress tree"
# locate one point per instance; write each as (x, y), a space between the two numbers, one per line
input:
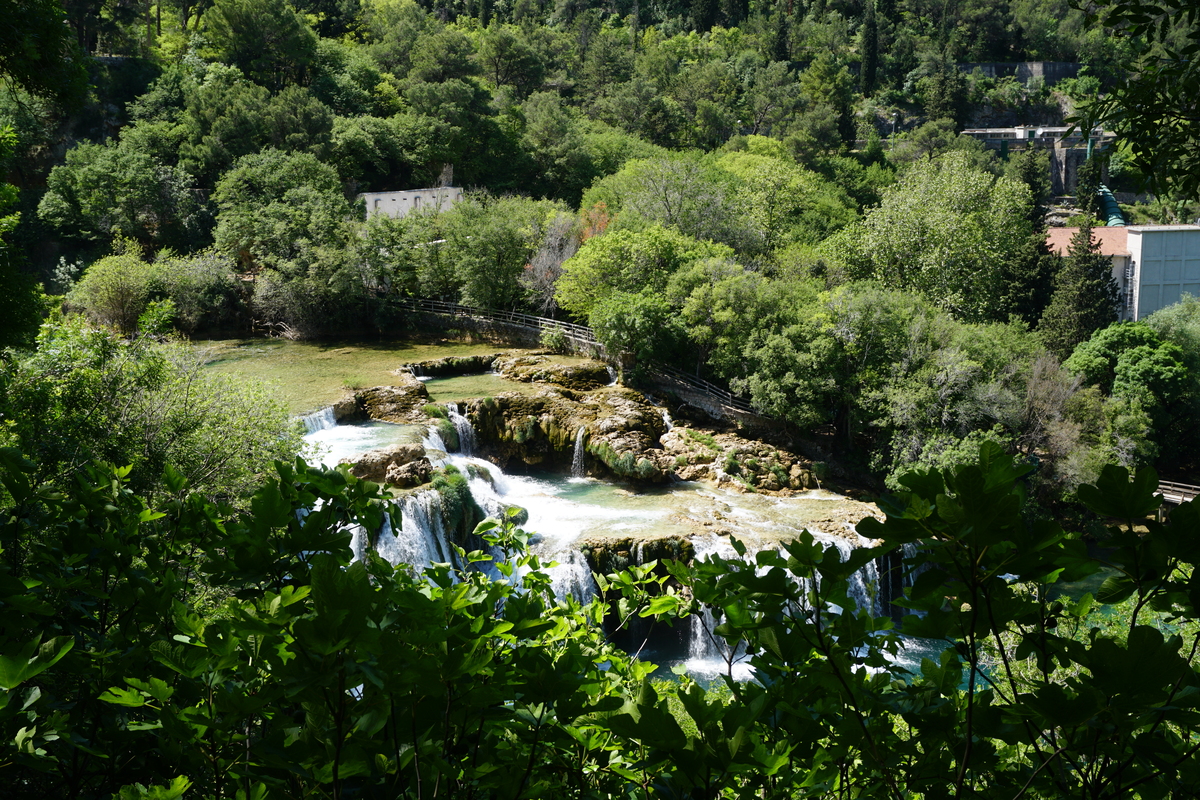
(1029, 277)
(1085, 295)
(868, 47)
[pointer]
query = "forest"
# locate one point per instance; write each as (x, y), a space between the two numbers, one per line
(773, 196)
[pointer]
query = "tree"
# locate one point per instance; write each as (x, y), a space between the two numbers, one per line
(37, 53)
(636, 327)
(20, 302)
(627, 261)
(833, 362)
(1155, 105)
(114, 191)
(684, 192)
(1028, 277)
(273, 205)
(508, 60)
(114, 291)
(1085, 295)
(554, 141)
(490, 242)
(946, 230)
(87, 395)
(266, 39)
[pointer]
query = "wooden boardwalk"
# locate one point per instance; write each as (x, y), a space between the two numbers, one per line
(1176, 493)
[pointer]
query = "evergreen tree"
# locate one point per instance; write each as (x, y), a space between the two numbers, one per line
(868, 47)
(1087, 186)
(1029, 276)
(1085, 295)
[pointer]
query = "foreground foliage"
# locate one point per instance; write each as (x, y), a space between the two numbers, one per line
(217, 655)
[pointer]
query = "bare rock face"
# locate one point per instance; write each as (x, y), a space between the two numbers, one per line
(401, 465)
(402, 402)
(414, 473)
(347, 409)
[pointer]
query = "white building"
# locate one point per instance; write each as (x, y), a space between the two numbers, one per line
(1154, 265)
(401, 204)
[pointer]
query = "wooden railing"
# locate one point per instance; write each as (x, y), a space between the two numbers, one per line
(579, 332)
(584, 335)
(1176, 493)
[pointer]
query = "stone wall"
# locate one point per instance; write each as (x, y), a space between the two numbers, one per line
(1050, 72)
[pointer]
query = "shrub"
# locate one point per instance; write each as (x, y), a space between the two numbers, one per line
(554, 339)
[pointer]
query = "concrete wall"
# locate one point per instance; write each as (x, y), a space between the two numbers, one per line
(1166, 264)
(401, 204)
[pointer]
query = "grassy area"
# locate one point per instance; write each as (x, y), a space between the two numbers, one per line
(309, 375)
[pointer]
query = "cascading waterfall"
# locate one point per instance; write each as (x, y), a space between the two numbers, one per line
(572, 577)
(563, 511)
(612, 374)
(422, 539)
(466, 431)
(667, 420)
(707, 651)
(578, 469)
(895, 577)
(319, 420)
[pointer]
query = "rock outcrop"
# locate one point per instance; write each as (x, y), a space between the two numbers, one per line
(624, 435)
(541, 368)
(451, 365)
(402, 402)
(402, 465)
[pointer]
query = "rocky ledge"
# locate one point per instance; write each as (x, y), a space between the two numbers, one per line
(404, 401)
(402, 465)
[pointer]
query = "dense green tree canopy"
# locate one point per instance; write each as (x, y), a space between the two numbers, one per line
(945, 230)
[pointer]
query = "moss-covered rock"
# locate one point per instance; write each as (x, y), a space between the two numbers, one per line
(729, 460)
(582, 376)
(608, 555)
(452, 365)
(460, 512)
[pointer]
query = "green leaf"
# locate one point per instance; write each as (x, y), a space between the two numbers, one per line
(33, 659)
(1116, 495)
(120, 696)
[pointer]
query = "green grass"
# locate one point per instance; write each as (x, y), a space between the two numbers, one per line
(308, 375)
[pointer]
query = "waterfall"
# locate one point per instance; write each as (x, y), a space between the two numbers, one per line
(578, 469)
(707, 651)
(864, 583)
(612, 374)
(667, 420)
(705, 648)
(423, 537)
(898, 571)
(572, 577)
(320, 420)
(466, 431)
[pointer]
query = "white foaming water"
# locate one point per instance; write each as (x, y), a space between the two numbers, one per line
(561, 511)
(667, 420)
(464, 428)
(342, 443)
(319, 420)
(578, 469)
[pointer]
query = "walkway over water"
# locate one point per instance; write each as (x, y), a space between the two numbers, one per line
(712, 399)
(1177, 493)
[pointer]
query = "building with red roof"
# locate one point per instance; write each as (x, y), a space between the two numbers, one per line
(1154, 265)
